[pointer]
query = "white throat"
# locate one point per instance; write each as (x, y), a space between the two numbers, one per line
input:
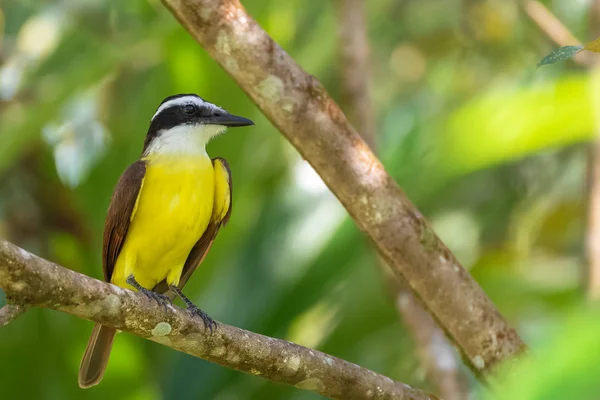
(183, 140)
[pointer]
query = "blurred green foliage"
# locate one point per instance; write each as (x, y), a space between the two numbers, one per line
(490, 150)
(566, 363)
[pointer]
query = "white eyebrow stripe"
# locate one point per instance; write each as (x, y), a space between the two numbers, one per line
(180, 101)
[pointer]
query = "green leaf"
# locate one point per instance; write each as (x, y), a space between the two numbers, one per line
(560, 54)
(506, 125)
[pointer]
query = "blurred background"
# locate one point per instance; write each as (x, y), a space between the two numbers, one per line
(493, 152)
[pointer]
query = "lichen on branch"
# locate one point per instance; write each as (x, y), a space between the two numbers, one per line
(30, 281)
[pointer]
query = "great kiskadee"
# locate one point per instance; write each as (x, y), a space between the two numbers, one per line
(165, 213)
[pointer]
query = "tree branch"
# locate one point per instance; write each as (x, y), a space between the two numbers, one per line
(304, 112)
(354, 49)
(32, 281)
(434, 352)
(10, 312)
(554, 29)
(593, 181)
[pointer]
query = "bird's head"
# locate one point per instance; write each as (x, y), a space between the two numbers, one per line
(185, 123)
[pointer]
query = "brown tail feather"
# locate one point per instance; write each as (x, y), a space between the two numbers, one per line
(96, 356)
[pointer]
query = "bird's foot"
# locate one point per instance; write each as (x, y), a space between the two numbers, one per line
(208, 321)
(195, 311)
(160, 298)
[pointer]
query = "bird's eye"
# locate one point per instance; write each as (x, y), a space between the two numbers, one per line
(189, 109)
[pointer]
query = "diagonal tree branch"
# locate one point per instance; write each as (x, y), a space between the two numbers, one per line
(548, 23)
(434, 352)
(304, 112)
(554, 29)
(32, 281)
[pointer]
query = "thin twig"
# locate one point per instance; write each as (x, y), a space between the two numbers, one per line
(593, 222)
(554, 29)
(354, 49)
(33, 281)
(10, 312)
(562, 36)
(433, 350)
(593, 181)
(305, 113)
(593, 178)
(436, 354)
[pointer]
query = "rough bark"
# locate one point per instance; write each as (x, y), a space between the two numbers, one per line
(299, 106)
(10, 312)
(434, 352)
(32, 281)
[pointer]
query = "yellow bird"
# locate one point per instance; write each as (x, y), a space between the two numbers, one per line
(165, 213)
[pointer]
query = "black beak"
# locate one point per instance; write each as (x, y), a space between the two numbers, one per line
(229, 120)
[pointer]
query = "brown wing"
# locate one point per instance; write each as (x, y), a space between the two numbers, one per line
(220, 217)
(121, 209)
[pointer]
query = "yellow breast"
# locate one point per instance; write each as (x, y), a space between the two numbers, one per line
(173, 210)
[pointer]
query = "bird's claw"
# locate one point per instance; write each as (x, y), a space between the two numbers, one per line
(208, 321)
(160, 298)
